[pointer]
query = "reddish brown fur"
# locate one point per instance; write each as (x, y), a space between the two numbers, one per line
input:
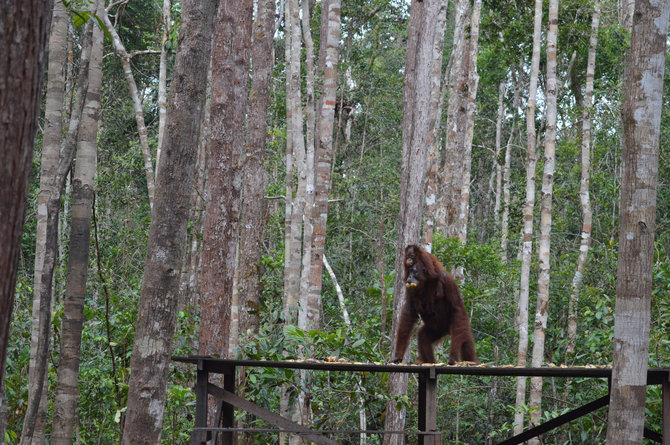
(433, 295)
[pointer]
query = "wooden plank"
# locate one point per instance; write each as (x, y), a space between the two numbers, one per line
(269, 416)
(428, 407)
(228, 413)
(654, 375)
(557, 421)
(199, 437)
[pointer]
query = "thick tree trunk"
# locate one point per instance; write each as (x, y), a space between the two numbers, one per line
(416, 132)
(584, 197)
(544, 250)
(230, 80)
(150, 360)
(641, 115)
(253, 205)
(528, 209)
(24, 26)
(137, 105)
(67, 393)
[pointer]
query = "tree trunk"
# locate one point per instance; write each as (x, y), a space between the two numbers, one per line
(416, 132)
(150, 360)
(230, 79)
(253, 205)
(584, 196)
(527, 234)
(295, 163)
(162, 77)
(451, 176)
(308, 315)
(626, 14)
(472, 85)
(330, 31)
(438, 93)
(504, 221)
(24, 26)
(52, 135)
(137, 105)
(544, 250)
(67, 394)
(497, 170)
(42, 313)
(641, 115)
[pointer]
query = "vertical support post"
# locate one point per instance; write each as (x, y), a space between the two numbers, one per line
(665, 389)
(199, 437)
(428, 407)
(228, 412)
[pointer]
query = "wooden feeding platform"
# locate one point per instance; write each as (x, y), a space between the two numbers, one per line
(427, 393)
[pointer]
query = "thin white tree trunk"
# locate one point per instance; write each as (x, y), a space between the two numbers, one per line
(527, 234)
(307, 319)
(584, 196)
(296, 142)
(438, 94)
(473, 83)
(498, 170)
(641, 116)
(295, 166)
(544, 250)
(137, 105)
(162, 78)
(504, 223)
(328, 59)
(53, 131)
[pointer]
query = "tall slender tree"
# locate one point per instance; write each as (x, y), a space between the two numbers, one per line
(584, 194)
(34, 419)
(67, 391)
(544, 250)
(641, 115)
(142, 130)
(330, 31)
(149, 365)
(528, 209)
(52, 136)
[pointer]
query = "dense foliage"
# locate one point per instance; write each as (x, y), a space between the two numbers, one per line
(363, 212)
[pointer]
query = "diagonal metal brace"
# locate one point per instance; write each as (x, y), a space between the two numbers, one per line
(557, 421)
(267, 415)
